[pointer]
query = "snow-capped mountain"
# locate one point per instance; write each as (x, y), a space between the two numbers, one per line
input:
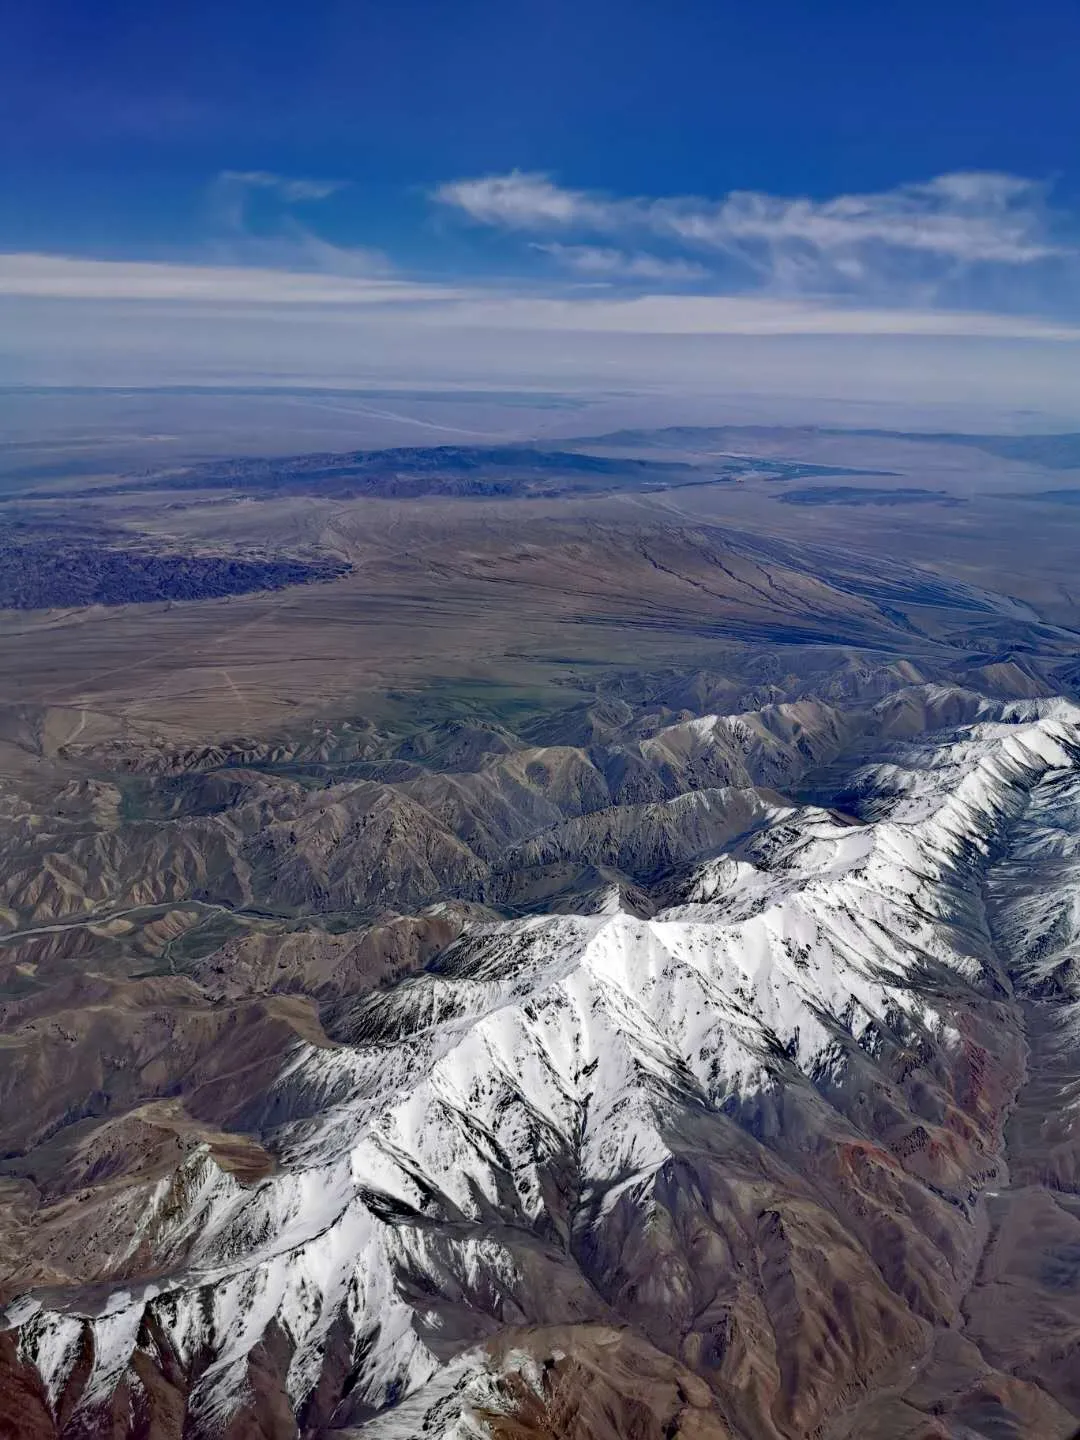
(730, 1135)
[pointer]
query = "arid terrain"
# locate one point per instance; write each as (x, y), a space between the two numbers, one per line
(570, 939)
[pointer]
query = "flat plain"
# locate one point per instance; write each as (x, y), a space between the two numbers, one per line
(539, 592)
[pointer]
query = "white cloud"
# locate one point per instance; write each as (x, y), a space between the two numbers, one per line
(966, 217)
(907, 241)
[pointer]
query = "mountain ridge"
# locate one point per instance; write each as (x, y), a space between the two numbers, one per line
(805, 1057)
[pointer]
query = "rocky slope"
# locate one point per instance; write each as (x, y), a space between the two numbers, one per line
(366, 821)
(719, 1085)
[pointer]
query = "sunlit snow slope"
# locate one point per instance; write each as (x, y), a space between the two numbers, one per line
(755, 1127)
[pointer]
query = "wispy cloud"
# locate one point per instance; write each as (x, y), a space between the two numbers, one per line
(290, 188)
(73, 278)
(493, 308)
(704, 315)
(520, 201)
(76, 321)
(601, 262)
(956, 286)
(908, 241)
(251, 218)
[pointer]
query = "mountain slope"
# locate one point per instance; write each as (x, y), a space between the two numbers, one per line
(736, 1140)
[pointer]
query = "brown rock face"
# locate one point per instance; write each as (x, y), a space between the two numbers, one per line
(595, 1383)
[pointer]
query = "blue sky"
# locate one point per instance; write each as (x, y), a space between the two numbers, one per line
(595, 167)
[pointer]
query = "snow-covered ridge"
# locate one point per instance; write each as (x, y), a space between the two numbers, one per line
(555, 1043)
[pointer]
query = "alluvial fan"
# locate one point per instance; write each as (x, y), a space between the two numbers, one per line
(745, 1149)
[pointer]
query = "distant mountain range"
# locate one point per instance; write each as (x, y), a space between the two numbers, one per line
(449, 470)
